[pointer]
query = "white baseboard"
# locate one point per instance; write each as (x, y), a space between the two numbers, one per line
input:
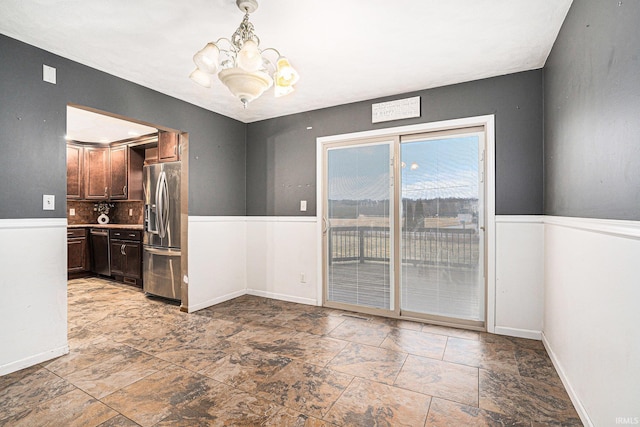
(33, 360)
(214, 301)
(282, 297)
(582, 413)
(519, 333)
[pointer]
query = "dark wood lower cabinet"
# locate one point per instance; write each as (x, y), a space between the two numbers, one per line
(126, 256)
(77, 252)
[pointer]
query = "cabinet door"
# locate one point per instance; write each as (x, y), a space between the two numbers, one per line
(118, 163)
(96, 172)
(117, 258)
(74, 171)
(133, 260)
(77, 259)
(168, 147)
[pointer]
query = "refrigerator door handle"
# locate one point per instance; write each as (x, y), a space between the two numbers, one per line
(160, 202)
(165, 205)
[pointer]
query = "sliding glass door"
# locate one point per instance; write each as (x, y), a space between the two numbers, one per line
(404, 224)
(442, 215)
(358, 221)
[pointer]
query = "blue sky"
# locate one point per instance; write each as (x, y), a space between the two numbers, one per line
(445, 167)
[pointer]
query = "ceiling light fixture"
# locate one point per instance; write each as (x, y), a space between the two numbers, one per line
(241, 65)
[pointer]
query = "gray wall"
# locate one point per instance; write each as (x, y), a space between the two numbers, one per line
(33, 125)
(592, 113)
(281, 152)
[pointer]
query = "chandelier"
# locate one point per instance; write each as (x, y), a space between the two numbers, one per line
(241, 65)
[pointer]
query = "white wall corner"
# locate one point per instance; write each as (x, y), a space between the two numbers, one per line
(519, 287)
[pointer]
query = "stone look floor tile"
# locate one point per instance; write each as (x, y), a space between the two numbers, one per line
(416, 343)
(515, 395)
(368, 403)
(103, 378)
(258, 361)
(316, 323)
(451, 332)
(361, 331)
(498, 356)
(83, 354)
(31, 390)
(369, 362)
(153, 398)
(290, 418)
(445, 413)
(221, 405)
(247, 368)
(441, 379)
(306, 388)
(119, 421)
(75, 408)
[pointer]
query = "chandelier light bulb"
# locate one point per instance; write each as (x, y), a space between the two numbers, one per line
(207, 58)
(200, 77)
(414, 166)
(285, 74)
(249, 57)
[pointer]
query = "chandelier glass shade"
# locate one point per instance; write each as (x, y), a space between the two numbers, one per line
(245, 69)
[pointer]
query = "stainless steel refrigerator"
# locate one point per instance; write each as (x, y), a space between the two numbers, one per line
(161, 243)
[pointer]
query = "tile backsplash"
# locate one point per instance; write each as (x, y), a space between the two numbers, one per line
(87, 212)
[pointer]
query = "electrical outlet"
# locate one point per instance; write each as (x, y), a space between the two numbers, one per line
(72, 212)
(303, 278)
(130, 212)
(303, 205)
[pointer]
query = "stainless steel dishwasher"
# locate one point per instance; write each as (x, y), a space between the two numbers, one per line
(100, 254)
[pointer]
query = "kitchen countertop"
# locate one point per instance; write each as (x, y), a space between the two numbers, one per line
(108, 226)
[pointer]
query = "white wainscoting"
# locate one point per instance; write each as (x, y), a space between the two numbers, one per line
(217, 260)
(592, 314)
(263, 256)
(519, 276)
(33, 304)
(280, 250)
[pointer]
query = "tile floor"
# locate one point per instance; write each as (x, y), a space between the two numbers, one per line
(259, 362)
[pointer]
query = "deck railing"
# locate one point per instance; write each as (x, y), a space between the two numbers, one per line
(450, 246)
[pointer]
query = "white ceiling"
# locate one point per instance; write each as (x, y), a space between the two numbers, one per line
(345, 51)
(87, 126)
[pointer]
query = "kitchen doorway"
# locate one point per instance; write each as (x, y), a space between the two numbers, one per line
(108, 143)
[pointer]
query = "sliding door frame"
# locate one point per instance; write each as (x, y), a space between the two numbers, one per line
(488, 123)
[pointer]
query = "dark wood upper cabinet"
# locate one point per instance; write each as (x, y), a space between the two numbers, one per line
(119, 172)
(75, 178)
(168, 147)
(104, 173)
(97, 173)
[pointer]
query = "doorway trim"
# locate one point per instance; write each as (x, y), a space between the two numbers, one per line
(488, 122)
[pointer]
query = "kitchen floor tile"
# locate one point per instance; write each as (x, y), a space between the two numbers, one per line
(416, 343)
(139, 361)
(369, 362)
(304, 387)
(368, 403)
(440, 379)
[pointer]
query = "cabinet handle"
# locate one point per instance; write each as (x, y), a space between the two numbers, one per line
(124, 189)
(175, 150)
(105, 190)
(122, 250)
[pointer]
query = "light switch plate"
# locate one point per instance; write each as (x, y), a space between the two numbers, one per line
(48, 202)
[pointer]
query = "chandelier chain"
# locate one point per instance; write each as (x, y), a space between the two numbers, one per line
(243, 33)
